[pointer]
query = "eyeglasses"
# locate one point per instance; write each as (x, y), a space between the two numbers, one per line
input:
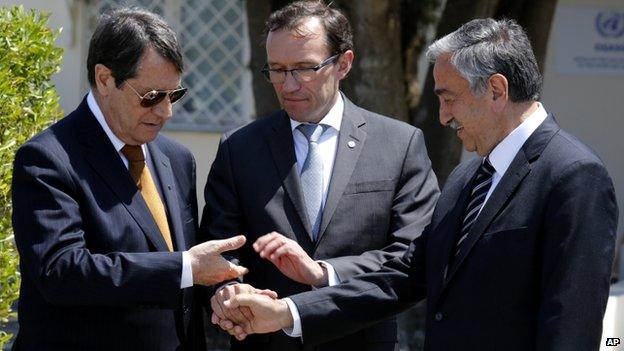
(301, 75)
(154, 97)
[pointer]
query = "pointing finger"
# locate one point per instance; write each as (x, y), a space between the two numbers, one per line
(229, 244)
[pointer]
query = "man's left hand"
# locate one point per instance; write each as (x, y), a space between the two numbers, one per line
(290, 259)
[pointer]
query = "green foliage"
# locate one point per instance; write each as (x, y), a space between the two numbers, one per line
(28, 103)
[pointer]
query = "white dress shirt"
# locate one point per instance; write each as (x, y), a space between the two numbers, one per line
(503, 154)
(501, 157)
(327, 146)
(326, 143)
(187, 272)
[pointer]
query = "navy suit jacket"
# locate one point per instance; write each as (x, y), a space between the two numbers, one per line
(381, 196)
(535, 276)
(96, 272)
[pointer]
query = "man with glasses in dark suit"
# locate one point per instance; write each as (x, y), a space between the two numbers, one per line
(323, 189)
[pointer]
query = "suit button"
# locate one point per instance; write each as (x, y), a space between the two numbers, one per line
(186, 310)
(438, 317)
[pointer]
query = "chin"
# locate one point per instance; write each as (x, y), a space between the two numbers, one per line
(148, 138)
(297, 115)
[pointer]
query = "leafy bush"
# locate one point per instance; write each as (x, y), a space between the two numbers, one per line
(28, 103)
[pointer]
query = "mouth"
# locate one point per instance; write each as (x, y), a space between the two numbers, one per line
(294, 99)
(152, 125)
(455, 125)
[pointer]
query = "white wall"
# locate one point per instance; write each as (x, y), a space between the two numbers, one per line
(590, 106)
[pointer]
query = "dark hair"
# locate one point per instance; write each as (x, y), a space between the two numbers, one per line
(121, 38)
(483, 47)
(337, 27)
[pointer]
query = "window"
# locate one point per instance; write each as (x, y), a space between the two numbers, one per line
(215, 46)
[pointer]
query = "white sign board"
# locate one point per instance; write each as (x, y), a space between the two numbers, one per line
(589, 40)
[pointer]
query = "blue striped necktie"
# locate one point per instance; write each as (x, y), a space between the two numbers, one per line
(312, 176)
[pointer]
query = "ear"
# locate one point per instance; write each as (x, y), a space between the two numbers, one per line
(104, 80)
(345, 61)
(499, 91)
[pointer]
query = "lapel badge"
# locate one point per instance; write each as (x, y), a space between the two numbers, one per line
(351, 144)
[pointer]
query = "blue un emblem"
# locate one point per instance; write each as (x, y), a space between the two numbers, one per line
(610, 24)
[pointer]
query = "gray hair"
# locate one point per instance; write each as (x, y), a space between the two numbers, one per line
(483, 47)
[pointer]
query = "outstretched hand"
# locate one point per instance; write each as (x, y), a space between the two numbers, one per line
(290, 258)
(207, 264)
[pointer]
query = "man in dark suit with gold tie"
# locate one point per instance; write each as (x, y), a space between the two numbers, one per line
(105, 211)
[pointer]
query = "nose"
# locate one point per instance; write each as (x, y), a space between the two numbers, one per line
(444, 115)
(290, 83)
(164, 109)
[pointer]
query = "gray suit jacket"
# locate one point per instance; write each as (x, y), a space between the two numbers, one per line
(381, 196)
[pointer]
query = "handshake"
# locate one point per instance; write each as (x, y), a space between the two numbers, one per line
(241, 309)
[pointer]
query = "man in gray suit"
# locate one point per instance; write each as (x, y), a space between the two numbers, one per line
(341, 190)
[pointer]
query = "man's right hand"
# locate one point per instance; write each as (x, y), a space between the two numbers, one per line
(269, 315)
(240, 315)
(209, 267)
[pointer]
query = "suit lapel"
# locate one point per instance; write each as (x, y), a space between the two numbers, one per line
(162, 167)
(280, 141)
(517, 171)
(514, 175)
(346, 159)
(447, 228)
(106, 162)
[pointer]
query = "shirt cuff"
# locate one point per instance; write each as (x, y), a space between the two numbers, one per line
(187, 271)
(295, 331)
(332, 277)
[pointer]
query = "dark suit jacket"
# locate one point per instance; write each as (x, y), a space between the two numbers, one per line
(381, 195)
(536, 276)
(96, 272)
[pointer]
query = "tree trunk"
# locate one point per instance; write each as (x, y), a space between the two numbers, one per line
(536, 18)
(442, 144)
(376, 81)
(258, 12)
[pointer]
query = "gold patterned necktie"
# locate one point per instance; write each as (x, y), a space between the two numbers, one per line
(144, 181)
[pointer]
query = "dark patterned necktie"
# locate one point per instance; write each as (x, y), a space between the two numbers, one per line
(482, 184)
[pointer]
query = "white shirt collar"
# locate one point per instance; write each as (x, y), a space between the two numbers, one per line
(333, 118)
(95, 109)
(97, 112)
(504, 153)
